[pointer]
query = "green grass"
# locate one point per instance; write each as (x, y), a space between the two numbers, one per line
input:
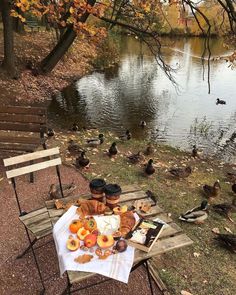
(213, 272)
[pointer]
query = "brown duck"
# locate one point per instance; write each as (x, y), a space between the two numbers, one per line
(194, 152)
(55, 191)
(231, 176)
(226, 209)
(181, 172)
(74, 148)
(136, 158)
(149, 150)
(228, 241)
(149, 169)
(212, 191)
(81, 161)
(234, 188)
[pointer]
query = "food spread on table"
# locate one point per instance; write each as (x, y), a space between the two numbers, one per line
(117, 223)
(86, 236)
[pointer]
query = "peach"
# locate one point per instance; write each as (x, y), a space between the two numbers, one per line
(72, 244)
(75, 226)
(82, 233)
(90, 240)
(105, 241)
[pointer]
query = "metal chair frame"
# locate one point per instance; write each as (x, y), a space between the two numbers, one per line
(13, 173)
(141, 263)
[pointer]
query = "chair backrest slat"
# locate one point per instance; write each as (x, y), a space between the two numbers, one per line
(32, 168)
(31, 156)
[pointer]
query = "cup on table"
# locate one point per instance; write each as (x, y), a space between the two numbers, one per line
(97, 188)
(112, 194)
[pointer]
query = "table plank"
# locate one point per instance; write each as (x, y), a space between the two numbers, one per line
(129, 192)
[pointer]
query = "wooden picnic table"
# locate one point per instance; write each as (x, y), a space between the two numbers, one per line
(172, 237)
(40, 223)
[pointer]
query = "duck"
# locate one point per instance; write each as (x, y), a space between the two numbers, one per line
(149, 169)
(194, 151)
(74, 148)
(226, 209)
(142, 124)
(152, 196)
(196, 215)
(126, 136)
(228, 241)
(50, 132)
(149, 150)
(136, 158)
(94, 142)
(231, 176)
(113, 150)
(75, 127)
(212, 191)
(234, 188)
(220, 101)
(55, 190)
(82, 161)
(181, 172)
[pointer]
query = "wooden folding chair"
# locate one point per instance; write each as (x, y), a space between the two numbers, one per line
(38, 221)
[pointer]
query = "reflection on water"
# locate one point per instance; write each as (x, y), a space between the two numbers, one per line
(138, 90)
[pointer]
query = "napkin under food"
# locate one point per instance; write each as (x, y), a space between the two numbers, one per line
(116, 266)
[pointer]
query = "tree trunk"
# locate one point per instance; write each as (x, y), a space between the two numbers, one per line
(50, 61)
(9, 57)
(18, 26)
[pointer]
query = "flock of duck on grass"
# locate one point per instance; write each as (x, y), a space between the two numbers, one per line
(196, 215)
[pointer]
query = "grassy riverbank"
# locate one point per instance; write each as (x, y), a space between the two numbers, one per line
(202, 269)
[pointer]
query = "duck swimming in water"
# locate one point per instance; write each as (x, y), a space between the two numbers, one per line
(74, 127)
(220, 101)
(94, 142)
(142, 124)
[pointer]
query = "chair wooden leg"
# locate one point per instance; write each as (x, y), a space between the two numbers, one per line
(149, 276)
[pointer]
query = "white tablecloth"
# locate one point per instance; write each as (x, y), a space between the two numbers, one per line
(116, 266)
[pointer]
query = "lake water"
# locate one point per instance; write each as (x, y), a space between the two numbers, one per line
(137, 89)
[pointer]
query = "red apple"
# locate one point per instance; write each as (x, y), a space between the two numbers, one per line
(90, 240)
